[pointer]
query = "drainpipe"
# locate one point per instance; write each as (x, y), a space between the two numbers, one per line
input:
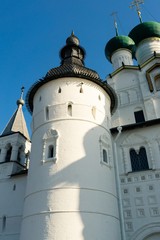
(119, 129)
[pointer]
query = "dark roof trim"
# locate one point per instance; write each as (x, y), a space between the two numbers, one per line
(131, 67)
(136, 125)
(128, 67)
(4, 135)
(22, 172)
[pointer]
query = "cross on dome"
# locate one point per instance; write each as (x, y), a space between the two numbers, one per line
(114, 15)
(21, 101)
(136, 4)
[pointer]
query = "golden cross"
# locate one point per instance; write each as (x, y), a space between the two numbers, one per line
(136, 4)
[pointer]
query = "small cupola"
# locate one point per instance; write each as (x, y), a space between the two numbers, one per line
(146, 36)
(72, 52)
(119, 51)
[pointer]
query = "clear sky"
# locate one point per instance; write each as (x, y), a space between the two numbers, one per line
(33, 31)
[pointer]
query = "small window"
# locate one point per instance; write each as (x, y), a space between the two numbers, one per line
(157, 82)
(105, 156)
(81, 90)
(19, 154)
(139, 116)
(70, 109)
(3, 223)
(14, 187)
(59, 90)
(50, 151)
(47, 113)
(139, 160)
(8, 154)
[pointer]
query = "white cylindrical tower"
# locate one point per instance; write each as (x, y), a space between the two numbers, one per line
(71, 190)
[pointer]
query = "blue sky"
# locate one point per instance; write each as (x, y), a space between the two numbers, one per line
(33, 31)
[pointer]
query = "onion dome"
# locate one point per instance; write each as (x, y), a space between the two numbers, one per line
(116, 43)
(72, 40)
(145, 30)
(72, 65)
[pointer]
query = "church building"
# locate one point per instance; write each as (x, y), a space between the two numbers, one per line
(91, 170)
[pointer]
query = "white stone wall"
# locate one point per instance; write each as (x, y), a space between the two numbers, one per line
(146, 49)
(134, 94)
(140, 190)
(121, 57)
(12, 192)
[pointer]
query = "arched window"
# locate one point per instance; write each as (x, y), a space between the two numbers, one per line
(139, 160)
(105, 156)
(50, 151)
(8, 154)
(50, 146)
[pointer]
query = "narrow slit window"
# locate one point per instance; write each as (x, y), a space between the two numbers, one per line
(70, 109)
(8, 154)
(157, 82)
(19, 154)
(59, 90)
(81, 90)
(3, 223)
(105, 156)
(47, 113)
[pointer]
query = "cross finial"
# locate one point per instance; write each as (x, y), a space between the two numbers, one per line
(20, 102)
(136, 4)
(114, 15)
(22, 92)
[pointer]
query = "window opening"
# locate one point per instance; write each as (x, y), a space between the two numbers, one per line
(8, 154)
(59, 90)
(157, 82)
(139, 160)
(47, 113)
(139, 116)
(19, 154)
(50, 151)
(105, 156)
(81, 90)
(70, 109)
(3, 223)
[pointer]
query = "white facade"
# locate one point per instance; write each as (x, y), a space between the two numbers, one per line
(91, 175)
